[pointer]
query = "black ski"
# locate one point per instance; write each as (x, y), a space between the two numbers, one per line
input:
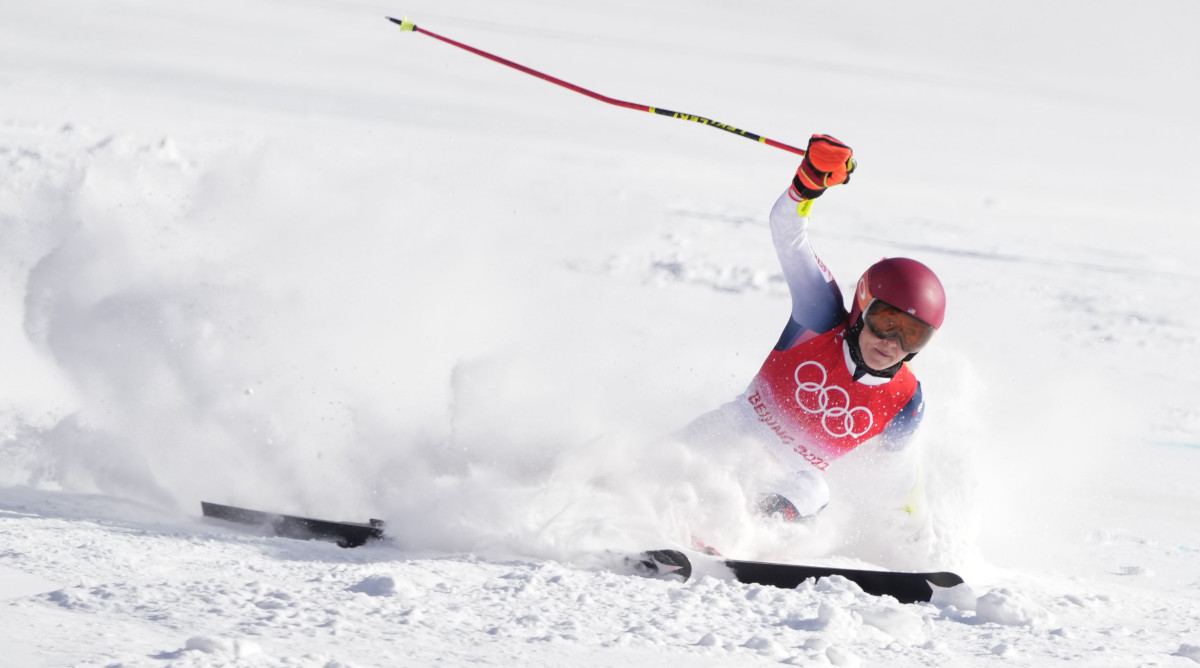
(672, 564)
(345, 534)
(661, 564)
(904, 587)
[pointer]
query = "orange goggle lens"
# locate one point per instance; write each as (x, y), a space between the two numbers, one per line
(888, 322)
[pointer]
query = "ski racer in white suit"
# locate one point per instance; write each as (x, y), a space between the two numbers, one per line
(835, 379)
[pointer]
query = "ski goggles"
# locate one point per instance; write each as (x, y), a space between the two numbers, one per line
(888, 322)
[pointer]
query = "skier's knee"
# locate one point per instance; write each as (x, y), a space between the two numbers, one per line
(794, 498)
(777, 506)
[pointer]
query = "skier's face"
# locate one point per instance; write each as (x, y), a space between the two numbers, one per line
(879, 354)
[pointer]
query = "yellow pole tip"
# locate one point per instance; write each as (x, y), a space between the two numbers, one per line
(404, 24)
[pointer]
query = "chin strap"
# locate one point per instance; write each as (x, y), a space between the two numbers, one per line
(860, 366)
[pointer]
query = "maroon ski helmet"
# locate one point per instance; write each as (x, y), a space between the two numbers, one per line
(906, 284)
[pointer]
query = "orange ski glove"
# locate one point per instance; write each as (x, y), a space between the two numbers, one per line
(827, 162)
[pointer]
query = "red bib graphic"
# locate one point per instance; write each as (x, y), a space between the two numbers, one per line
(807, 396)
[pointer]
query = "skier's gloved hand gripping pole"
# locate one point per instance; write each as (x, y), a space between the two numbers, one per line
(827, 162)
(409, 26)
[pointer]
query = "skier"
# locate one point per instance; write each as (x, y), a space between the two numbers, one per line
(835, 379)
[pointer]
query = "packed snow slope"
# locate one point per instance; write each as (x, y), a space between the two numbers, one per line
(283, 255)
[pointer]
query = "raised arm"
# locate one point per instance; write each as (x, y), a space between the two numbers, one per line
(817, 304)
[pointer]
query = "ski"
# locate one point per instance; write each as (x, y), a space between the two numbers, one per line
(345, 534)
(903, 586)
(664, 564)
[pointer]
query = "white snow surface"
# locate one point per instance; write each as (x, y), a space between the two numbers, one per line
(285, 256)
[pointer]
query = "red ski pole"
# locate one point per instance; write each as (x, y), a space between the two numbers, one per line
(409, 26)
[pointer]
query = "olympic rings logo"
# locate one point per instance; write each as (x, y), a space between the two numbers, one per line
(832, 403)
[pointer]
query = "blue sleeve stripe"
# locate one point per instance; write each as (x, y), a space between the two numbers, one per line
(898, 432)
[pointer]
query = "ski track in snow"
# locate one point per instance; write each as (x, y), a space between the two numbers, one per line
(286, 257)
